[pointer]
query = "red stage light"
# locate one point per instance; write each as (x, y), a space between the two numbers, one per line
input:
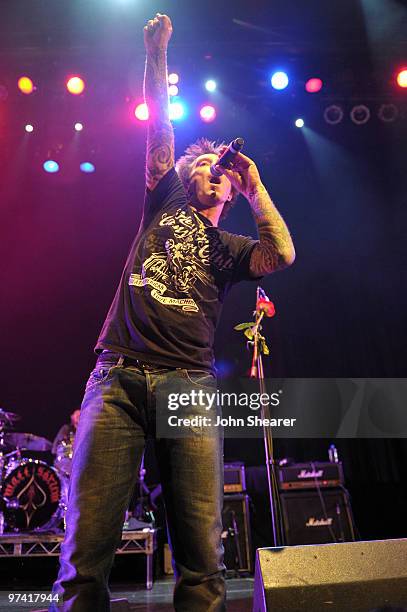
(402, 78)
(25, 85)
(313, 85)
(141, 112)
(75, 85)
(208, 113)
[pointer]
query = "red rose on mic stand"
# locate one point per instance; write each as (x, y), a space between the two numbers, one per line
(266, 306)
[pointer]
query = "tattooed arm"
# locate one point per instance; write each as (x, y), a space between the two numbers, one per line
(275, 249)
(160, 135)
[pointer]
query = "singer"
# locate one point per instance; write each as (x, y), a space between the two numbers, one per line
(161, 327)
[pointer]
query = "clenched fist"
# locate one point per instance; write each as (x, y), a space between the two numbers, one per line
(157, 33)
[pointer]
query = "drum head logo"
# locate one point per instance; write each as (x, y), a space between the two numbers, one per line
(32, 492)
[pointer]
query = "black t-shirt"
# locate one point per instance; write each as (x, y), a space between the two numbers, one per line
(178, 272)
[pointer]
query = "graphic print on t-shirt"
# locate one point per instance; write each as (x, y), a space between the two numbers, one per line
(179, 269)
(176, 268)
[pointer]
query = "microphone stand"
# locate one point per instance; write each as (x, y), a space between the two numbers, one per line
(257, 341)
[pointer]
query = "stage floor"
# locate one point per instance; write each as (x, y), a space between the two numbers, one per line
(239, 595)
(159, 599)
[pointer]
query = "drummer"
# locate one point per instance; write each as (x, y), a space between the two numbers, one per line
(67, 432)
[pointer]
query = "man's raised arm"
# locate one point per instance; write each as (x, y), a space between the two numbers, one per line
(160, 134)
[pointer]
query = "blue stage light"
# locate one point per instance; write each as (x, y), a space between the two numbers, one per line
(177, 111)
(87, 167)
(299, 122)
(224, 368)
(279, 80)
(51, 166)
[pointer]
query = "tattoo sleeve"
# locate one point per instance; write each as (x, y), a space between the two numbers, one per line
(275, 249)
(160, 134)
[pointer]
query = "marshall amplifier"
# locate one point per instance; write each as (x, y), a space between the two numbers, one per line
(236, 536)
(235, 479)
(310, 518)
(310, 475)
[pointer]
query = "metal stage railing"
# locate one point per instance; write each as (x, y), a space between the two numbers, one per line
(47, 545)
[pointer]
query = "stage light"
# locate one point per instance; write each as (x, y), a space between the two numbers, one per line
(29, 128)
(173, 78)
(141, 112)
(79, 127)
(177, 111)
(75, 85)
(173, 90)
(87, 167)
(299, 123)
(51, 166)
(360, 114)
(279, 80)
(333, 114)
(313, 85)
(208, 113)
(388, 113)
(210, 85)
(402, 78)
(224, 368)
(25, 85)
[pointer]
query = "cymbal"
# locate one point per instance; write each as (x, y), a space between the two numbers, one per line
(28, 441)
(8, 416)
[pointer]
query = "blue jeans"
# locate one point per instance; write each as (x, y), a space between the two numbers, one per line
(118, 413)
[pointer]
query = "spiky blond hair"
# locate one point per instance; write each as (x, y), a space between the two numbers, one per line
(184, 164)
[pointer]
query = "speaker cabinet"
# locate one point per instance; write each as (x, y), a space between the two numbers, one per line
(312, 518)
(353, 576)
(236, 533)
(234, 477)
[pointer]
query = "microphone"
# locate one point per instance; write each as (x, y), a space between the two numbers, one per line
(228, 156)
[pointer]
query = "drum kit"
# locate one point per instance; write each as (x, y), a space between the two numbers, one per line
(34, 490)
(33, 493)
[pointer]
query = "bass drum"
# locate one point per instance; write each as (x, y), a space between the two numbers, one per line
(34, 496)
